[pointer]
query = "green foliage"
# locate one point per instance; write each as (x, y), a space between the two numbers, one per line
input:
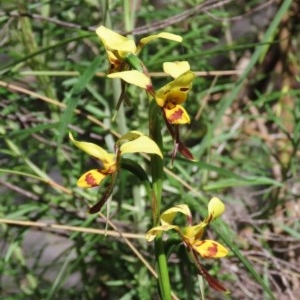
(244, 133)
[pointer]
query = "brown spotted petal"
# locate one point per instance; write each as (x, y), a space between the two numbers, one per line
(177, 115)
(209, 249)
(91, 178)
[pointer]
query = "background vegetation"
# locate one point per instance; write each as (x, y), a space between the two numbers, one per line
(245, 133)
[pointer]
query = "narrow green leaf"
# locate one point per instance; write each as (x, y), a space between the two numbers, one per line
(135, 169)
(28, 131)
(7, 68)
(231, 182)
(73, 98)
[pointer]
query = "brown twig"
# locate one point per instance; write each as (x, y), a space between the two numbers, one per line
(201, 8)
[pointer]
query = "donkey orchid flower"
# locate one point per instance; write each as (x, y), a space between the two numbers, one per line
(173, 94)
(119, 47)
(191, 235)
(170, 96)
(132, 142)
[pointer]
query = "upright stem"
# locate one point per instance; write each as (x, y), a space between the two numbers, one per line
(157, 182)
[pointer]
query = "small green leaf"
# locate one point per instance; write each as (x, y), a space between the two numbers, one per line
(73, 98)
(135, 169)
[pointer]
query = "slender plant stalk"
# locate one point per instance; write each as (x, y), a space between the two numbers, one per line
(157, 181)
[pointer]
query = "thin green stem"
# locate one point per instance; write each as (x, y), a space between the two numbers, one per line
(119, 114)
(157, 182)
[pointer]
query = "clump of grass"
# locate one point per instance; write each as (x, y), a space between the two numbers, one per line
(244, 132)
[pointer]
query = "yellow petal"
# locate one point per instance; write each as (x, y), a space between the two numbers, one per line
(215, 208)
(153, 232)
(177, 115)
(162, 35)
(94, 150)
(184, 81)
(193, 232)
(167, 97)
(115, 41)
(210, 249)
(175, 91)
(177, 68)
(141, 144)
(168, 216)
(133, 77)
(129, 136)
(91, 178)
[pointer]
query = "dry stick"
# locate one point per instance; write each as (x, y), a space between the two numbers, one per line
(201, 8)
(112, 233)
(19, 190)
(152, 74)
(16, 88)
(248, 13)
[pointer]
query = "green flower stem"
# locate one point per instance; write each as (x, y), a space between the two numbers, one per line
(157, 171)
(157, 182)
(156, 161)
(162, 269)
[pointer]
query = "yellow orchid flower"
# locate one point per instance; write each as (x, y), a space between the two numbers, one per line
(169, 97)
(108, 164)
(173, 94)
(131, 142)
(119, 47)
(191, 235)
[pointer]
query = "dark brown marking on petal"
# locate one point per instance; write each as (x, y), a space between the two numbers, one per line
(183, 89)
(211, 251)
(176, 115)
(90, 180)
(209, 219)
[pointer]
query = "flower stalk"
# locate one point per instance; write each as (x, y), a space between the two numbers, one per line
(157, 183)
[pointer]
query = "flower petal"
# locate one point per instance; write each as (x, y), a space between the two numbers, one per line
(177, 115)
(184, 81)
(162, 35)
(91, 178)
(177, 68)
(215, 208)
(133, 77)
(115, 41)
(191, 233)
(175, 91)
(153, 232)
(210, 249)
(168, 216)
(140, 143)
(94, 150)
(129, 136)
